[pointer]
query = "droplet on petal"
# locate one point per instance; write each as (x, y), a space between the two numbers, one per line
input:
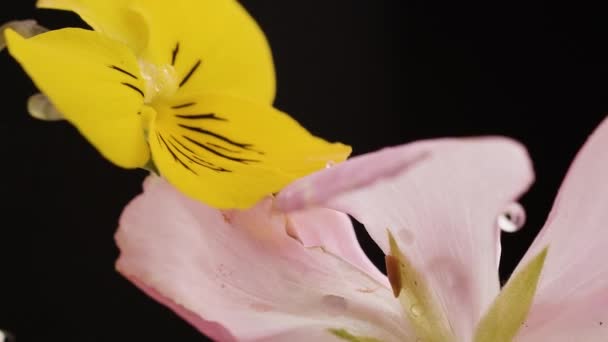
(416, 310)
(335, 304)
(40, 107)
(26, 28)
(330, 164)
(512, 219)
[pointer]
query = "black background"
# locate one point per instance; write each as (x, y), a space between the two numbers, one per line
(368, 73)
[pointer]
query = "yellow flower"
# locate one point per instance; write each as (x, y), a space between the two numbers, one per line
(189, 83)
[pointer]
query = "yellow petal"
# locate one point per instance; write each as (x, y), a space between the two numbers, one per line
(214, 45)
(230, 153)
(510, 309)
(113, 18)
(94, 82)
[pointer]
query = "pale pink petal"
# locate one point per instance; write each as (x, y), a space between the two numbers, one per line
(332, 230)
(318, 187)
(213, 330)
(571, 319)
(240, 276)
(442, 207)
(576, 268)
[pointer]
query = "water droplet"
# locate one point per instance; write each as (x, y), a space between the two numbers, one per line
(416, 310)
(41, 108)
(406, 236)
(329, 164)
(335, 304)
(26, 28)
(512, 219)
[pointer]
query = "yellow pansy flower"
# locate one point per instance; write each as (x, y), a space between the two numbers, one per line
(187, 83)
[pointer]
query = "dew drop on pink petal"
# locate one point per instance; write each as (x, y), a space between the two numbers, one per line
(512, 218)
(334, 304)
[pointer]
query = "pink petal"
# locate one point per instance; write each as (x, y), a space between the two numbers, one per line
(442, 206)
(332, 230)
(239, 276)
(572, 295)
(317, 188)
(579, 318)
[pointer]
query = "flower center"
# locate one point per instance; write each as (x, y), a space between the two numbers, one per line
(160, 81)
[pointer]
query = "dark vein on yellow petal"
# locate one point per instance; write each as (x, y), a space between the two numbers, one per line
(198, 161)
(186, 147)
(192, 160)
(189, 104)
(175, 157)
(194, 155)
(210, 116)
(209, 163)
(123, 71)
(134, 88)
(219, 154)
(215, 135)
(219, 168)
(222, 148)
(190, 73)
(174, 54)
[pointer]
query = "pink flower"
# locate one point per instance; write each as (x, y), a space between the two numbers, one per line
(290, 269)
